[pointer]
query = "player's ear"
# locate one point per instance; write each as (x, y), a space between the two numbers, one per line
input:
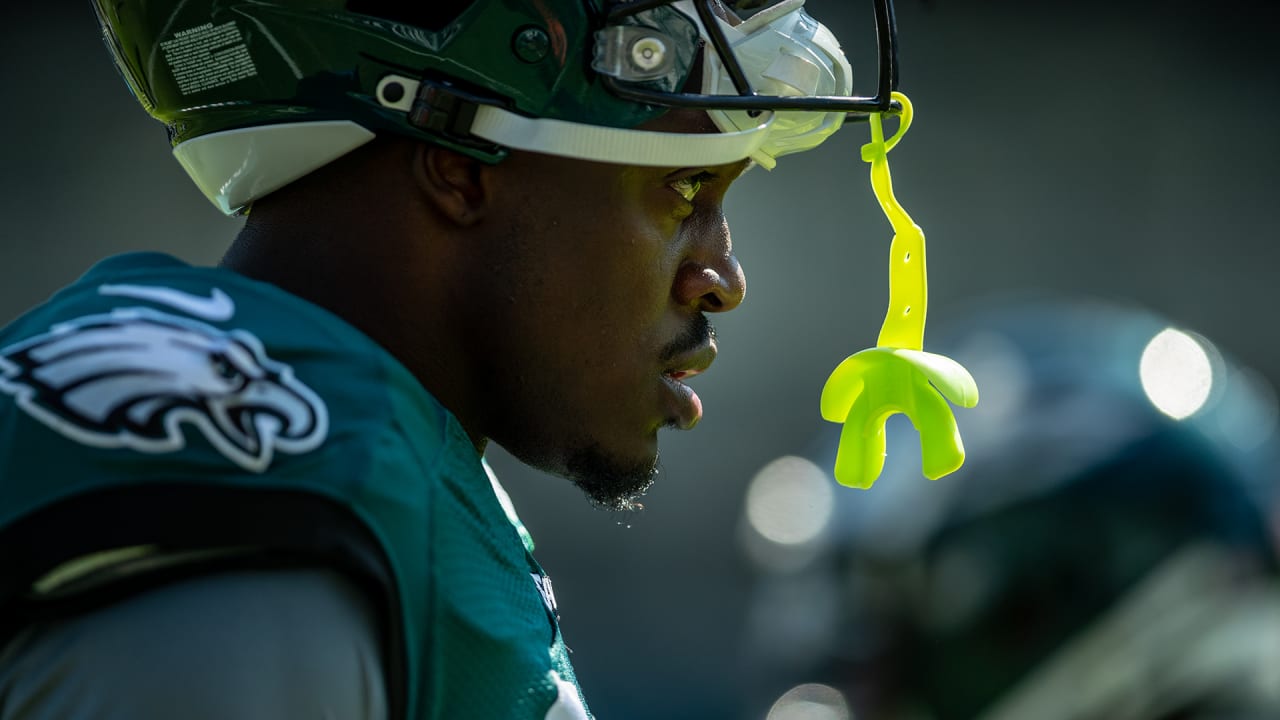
(451, 182)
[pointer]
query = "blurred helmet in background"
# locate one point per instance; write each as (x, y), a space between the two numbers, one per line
(1108, 550)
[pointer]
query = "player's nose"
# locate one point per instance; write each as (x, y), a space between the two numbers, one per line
(711, 278)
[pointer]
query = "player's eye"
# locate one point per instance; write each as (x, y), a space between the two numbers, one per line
(688, 187)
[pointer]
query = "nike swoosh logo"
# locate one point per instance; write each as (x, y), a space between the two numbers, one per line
(215, 308)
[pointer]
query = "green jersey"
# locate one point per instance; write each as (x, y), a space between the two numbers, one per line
(159, 420)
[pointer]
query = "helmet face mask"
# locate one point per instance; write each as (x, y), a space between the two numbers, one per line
(258, 94)
(778, 65)
(726, 51)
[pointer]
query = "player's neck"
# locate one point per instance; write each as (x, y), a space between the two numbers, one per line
(358, 272)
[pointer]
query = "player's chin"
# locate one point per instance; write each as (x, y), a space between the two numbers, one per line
(615, 475)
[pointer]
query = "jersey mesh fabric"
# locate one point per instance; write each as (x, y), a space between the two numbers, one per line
(484, 623)
(480, 642)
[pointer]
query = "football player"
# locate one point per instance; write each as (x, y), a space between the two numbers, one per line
(258, 490)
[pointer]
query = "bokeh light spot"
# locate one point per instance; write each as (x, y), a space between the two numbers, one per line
(1176, 373)
(790, 501)
(811, 701)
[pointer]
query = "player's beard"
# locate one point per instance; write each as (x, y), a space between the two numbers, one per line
(609, 484)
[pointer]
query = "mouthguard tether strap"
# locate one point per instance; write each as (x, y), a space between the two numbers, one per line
(897, 376)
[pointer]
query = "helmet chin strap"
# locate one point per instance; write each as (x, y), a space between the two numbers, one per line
(617, 145)
(897, 376)
(597, 143)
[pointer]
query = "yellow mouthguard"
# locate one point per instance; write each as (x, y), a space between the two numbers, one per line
(897, 376)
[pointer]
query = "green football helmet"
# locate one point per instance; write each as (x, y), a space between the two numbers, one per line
(258, 93)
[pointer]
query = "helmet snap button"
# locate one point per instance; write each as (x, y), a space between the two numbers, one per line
(392, 92)
(531, 44)
(648, 52)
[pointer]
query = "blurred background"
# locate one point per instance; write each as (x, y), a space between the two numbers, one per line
(1120, 158)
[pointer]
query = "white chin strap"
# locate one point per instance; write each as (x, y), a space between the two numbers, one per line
(597, 143)
(618, 145)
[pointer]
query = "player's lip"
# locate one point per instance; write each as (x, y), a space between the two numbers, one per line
(687, 406)
(692, 363)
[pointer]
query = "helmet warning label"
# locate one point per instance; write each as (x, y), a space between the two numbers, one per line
(208, 56)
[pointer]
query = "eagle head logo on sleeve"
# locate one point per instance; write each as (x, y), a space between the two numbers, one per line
(134, 377)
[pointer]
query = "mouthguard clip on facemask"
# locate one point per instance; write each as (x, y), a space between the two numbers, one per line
(897, 376)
